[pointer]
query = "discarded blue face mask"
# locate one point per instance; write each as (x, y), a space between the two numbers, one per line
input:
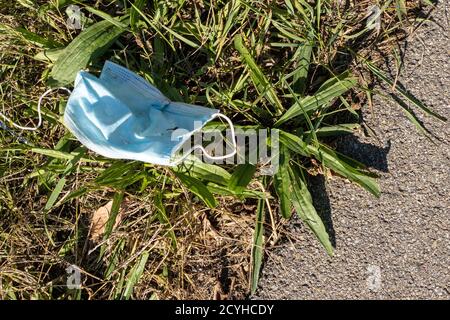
(120, 115)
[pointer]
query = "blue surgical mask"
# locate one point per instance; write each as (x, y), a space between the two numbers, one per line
(120, 115)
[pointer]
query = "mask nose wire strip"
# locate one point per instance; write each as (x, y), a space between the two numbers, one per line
(38, 111)
(217, 115)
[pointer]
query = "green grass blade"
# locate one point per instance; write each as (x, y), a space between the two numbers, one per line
(303, 57)
(61, 154)
(379, 74)
(36, 39)
(400, 7)
(337, 130)
(121, 174)
(258, 245)
(87, 46)
(332, 160)
(163, 219)
(134, 275)
(50, 202)
(119, 285)
(412, 117)
(350, 161)
(294, 143)
(259, 79)
(106, 17)
(134, 14)
(312, 128)
(153, 25)
(241, 177)
(225, 191)
(74, 194)
(339, 165)
(330, 90)
(282, 183)
(169, 30)
(198, 188)
(117, 201)
(55, 194)
(114, 259)
(302, 200)
(208, 172)
(181, 38)
(49, 55)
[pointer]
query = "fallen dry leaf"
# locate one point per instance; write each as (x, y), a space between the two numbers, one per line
(99, 220)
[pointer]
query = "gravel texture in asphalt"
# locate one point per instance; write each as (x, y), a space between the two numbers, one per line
(397, 246)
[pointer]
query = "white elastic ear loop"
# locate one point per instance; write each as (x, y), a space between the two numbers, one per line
(217, 115)
(38, 111)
